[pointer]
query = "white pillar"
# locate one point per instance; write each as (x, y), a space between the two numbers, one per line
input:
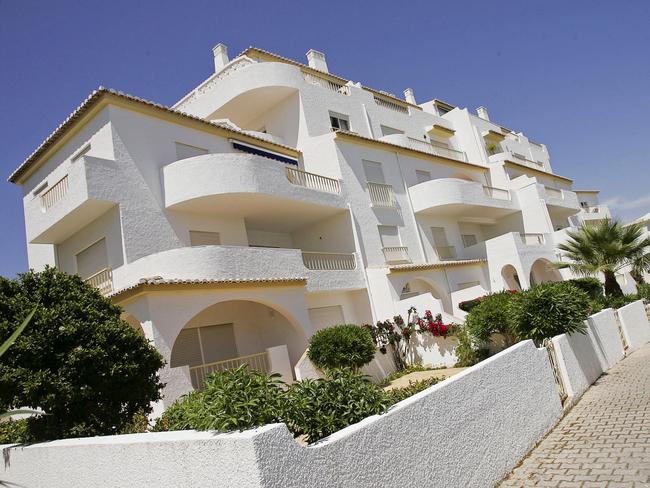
(220, 52)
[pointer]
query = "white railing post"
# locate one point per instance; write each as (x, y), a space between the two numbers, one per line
(437, 149)
(381, 195)
(258, 362)
(54, 194)
(329, 260)
(102, 280)
(312, 180)
(396, 254)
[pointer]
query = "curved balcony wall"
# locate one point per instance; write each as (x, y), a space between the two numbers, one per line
(234, 263)
(455, 197)
(564, 201)
(252, 182)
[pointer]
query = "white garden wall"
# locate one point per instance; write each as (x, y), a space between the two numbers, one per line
(486, 418)
(635, 325)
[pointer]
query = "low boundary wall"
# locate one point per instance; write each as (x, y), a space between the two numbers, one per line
(469, 431)
(635, 325)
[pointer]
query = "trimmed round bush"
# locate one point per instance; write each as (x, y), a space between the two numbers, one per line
(591, 286)
(490, 316)
(341, 346)
(549, 309)
(87, 369)
(318, 408)
(234, 399)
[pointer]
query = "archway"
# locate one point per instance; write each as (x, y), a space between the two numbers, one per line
(418, 286)
(510, 277)
(234, 332)
(133, 322)
(542, 271)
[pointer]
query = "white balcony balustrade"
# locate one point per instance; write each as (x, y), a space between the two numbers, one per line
(391, 105)
(446, 253)
(436, 149)
(102, 280)
(329, 260)
(553, 192)
(54, 194)
(312, 181)
(498, 193)
(381, 195)
(258, 362)
(533, 239)
(396, 254)
(327, 83)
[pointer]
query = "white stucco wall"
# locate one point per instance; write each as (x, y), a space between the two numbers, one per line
(635, 325)
(514, 403)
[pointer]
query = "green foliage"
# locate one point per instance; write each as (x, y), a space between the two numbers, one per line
(604, 302)
(549, 309)
(318, 408)
(234, 399)
(643, 291)
(489, 317)
(14, 432)
(78, 361)
(341, 346)
(398, 394)
(606, 248)
(412, 368)
(467, 352)
(591, 286)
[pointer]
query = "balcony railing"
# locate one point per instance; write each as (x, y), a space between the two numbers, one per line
(553, 192)
(381, 195)
(312, 181)
(102, 280)
(327, 83)
(437, 149)
(533, 239)
(396, 254)
(54, 194)
(383, 102)
(498, 193)
(258, 362)
(329, 260)
(446, 253)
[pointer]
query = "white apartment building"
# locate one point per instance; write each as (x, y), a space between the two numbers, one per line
(276, 199)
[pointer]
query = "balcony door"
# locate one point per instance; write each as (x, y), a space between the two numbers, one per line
(373, 172)
(204, 345)
(389, 235)
(92, 260)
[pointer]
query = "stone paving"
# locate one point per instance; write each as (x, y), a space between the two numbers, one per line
(604, 441)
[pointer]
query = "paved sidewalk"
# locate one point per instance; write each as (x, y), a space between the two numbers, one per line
(604, 441)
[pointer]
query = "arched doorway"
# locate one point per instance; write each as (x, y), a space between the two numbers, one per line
(419, 286)
(510, 277)
(235, 332)
(133, 322)
(542, 271)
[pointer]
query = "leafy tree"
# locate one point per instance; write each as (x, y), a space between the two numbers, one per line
(549, 309)
(491, 316)
(606, 248)
(90, 371)
(342, 346)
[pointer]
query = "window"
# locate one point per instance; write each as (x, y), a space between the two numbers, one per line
(439, 237)
(79, 154)
(584, 204)
(40, 188)
(204, 345)
(422, 176)
(202, 238)
(92, 259)
(469, 239)
(339, 121)
(184, 151)
(389, 131)
(389, 235)
(373, 172)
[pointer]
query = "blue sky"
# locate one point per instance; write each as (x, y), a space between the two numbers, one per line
(573, 75)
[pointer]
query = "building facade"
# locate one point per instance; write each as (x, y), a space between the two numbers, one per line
(276, 199)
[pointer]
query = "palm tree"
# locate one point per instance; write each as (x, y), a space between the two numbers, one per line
(605, 247)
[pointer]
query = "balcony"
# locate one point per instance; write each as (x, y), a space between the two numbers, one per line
(323, 271)
(437, 149)
(257, 362)
(533, 239)
(396, 255)
(78, 197)
(102, 280)
(562, 202)
(453, 197)
(593, 214)
(381, 195)
(263, 191)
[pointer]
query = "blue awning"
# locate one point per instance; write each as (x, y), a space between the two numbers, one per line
(264, 153)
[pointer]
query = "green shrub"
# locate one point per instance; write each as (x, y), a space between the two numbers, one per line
(467, 352)
(398, 394)
(341, 346)
(491, 316)
(90, 371)
(643, 291)
(591, 286)
(611, 301)
(549, 309)
(14, 432)
(318, 408)
(234, 399)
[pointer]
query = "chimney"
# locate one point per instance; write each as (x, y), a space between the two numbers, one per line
(409, 96)
(316, 60)
(483, 113)
(220, 52)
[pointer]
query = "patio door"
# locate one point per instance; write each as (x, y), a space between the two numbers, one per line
(204, 345)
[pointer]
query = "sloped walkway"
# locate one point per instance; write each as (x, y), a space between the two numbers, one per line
(604, 441)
